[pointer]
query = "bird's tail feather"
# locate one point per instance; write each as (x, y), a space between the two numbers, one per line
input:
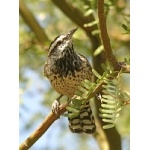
(84, 122)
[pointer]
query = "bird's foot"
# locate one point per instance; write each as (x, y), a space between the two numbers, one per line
(55, 106)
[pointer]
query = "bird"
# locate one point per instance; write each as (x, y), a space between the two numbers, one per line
(66, 69)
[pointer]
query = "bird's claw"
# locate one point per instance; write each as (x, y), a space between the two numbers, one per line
(55, 107)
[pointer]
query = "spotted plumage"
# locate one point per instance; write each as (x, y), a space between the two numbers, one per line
(66, 69)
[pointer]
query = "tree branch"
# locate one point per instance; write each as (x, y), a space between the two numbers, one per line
(76, 16)
(104, 36)
(32, 22)
(42, 128)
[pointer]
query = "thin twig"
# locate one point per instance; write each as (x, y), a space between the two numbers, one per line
(104, 36)
(42, 128)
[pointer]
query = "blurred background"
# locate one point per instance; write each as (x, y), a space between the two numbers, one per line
(40, 21)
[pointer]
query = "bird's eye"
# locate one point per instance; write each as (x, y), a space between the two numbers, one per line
(59, 43)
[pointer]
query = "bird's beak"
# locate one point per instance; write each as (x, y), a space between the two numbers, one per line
(71, 32)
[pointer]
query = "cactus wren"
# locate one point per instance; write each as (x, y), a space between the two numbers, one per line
(66, 69)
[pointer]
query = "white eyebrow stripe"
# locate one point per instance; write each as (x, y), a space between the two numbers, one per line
(55, 42)
(58, 39)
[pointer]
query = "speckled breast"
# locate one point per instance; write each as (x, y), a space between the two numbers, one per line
(67, 82)
(67, 85)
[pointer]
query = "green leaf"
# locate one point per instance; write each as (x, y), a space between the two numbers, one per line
(70, 115)
(89, 82)
(88, 12)
(96, 74)
(108, 101)
(108, 106)
(95, 32)
(90, 24)
(98, 50)
(76, 103)
(107, 97)
(117, 115)
(127, 61)
(104, 67)
(74, 110)
(83, 90)
(109, 86)
(85, 7)
(84, 84)
(108, 126)
(79, 93)
(108, 120)
(108, 91)
(107, 115)
(107, 110)
(124, 27)
(118, 109)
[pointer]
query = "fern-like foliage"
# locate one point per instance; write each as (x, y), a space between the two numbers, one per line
(110, 103)
(112, 98)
